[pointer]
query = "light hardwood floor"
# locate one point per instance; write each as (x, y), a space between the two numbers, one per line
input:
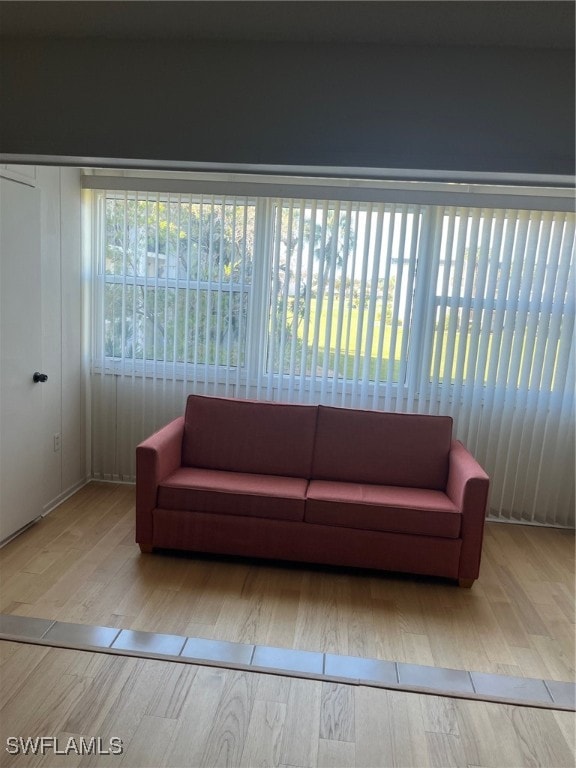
(80, 564)
(178, 715)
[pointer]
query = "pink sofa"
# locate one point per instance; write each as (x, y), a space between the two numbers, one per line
(313, 483)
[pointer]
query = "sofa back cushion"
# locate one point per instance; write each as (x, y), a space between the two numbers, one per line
(408, 450)
(248, 436)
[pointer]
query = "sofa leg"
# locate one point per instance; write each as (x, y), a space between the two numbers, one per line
(465, 583)
(146, 548)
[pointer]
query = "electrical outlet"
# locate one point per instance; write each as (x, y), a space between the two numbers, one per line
(57, 442)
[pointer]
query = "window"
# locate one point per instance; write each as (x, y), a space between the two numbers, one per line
(177, 279)
(501, 295)
(341, 292)
(334, 299)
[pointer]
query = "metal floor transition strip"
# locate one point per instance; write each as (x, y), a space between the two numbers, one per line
(350, 670)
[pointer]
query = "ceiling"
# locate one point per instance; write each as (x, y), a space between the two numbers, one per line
(528, 24)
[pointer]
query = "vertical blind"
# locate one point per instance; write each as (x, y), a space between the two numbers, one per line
(461, 311)
(500, 347)
(177, 278)
(341, 301)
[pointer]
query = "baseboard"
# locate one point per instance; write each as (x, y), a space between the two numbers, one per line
(64, 496)
(12, 536)
(111, 482)
(532, 523)
(47, 509)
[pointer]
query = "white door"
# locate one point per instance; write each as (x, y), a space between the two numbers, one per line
(21, 463)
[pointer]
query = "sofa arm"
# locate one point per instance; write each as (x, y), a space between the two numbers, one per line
(467, 488)
(156, 458)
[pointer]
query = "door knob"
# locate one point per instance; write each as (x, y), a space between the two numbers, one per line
(39, 377)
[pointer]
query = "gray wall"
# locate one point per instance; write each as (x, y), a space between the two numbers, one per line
(497, 109)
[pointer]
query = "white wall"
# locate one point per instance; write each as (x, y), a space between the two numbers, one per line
(64, 400)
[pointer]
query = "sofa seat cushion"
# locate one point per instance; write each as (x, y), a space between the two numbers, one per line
(382, 508)
(234, 493)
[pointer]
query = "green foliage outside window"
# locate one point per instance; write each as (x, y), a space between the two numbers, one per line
(177, 280)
